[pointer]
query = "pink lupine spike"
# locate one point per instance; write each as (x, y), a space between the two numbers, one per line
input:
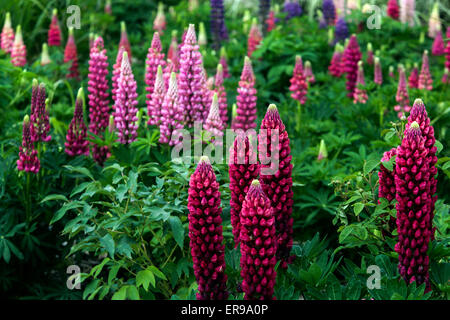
(191, 80)
(335, 68)
(213, 124)
(447, 50)
(370, 54)
(270, 21)
(352, 55)
(246, 99)
(224, 63)
(155, 58)
(378, 74)
(402, 96)
(98, 97)
(116, 72)
(413, 80)
(434, 23)
(172, 116)
(28, 158)
(172, 53)
(168, 69)
(412, 182)
(438, 48)
(45, 58)
(124, 39)
(407, 8)
(159, 24)
(205, 233)
(425, 80)
(207, 94)
(76, 142)
(125, 118)
(39, 119)
(276, 178)
(155, 104)
(393, 10)
(54, 31)
(221, 93)
(70, 55)
(18, 50)
(7, 35)
(243, 169)
(258, 244)
(309, 73)
(254, 38)
(299, 84)
(386, 187)
(360, 94)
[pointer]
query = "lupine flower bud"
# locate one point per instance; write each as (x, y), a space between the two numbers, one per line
(98, 97)
(70, 55)
(276, 178)
(155, 58)
(7, 35)
(270, 21)
(447, 49)
(391, 71)
(233, 115)
(331, 40)
(202, 38)
(292, 8)
(438, 48)
(124, 39)
(54, 32)
(159, 24)
(425, 80)
(378, 74)
(309, 73)
(323, 153)
(111, 126)
(224, 63)
(352, 55)
(76, 143)
(218, 26)
(335, 68)
(205, 233)
(28, 160)
(329, 12)
(407, 12)
(19, 50)
(445, 78)
(254, 38)
(369, 53)
(125, 105)
(191, 89)
(393, 10)
(360, 94)
(402, 96)
(221, 93)
(213, 124)
(155, 103)
(413, 80)
(434, 24)
(258, 245)
(414, 220)
(45, 58)
(341, 30)
(246, 21)
(172, 116)
(299, 84)
(172, 53)
(246, 99)
(116, 72)
(40, 124)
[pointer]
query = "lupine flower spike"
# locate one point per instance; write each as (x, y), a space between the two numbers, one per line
(276, 178)
(271, 21)
(71, 56)
(402, 96)
(116, 72)
(412, 182)
(323, 153)
(220, 90)
(378, 74)
(254, 38)
(28, 158)
(309, 73)
(407, 8)
(125, 118)
(445, 78)
(108, 9)
(299, 84)
(202, 38)
(213, 123)
(413, 80)
(218, 26)
(7, 35)
(155, 103)
(292, 8)
(425, 80)
(159, 24)
(335, 68)
(246, 99)
(434, 24)
(54, 31)
(19, 50)
(352, 55)
(329, 12)
(172, 53)
(391, 71)
(98, 97)
(393, 10)
(45, 58)
(258, 245)
(40, 124)
(447, 50)
(386, 187)
(124, 39)
(155, 58)
(205, 233)
(438, 48)
(360, 94)
(341, 30)
(369, 54)
(172, 116)
(76, 143)
(224, 63)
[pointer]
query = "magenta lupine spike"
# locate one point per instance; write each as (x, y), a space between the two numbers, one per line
(54, 31)
(172, 53)
(412, 182)
(221, 93)
(124, 39)
(393, 10)
(98, 97)
(76, 142)
(155, 57)
(213, 124)
(270, 21)
(40, 124)
(167, 71)
(352, 55)
(243, 169)
(155, 103)
(419, 114)
(246, 99)
(258, 245)
(207, 94)
(205, 233)
(360, 94)
(413, 80)
(224, 63)
(335, 68)
(378, 74)
(125, 118)
(18, 50)
(7, 35)
(172, 116)
(191, 79)
(447, 50)
(70, 55)
(254, 38)
(276, 178)
(438, 48)
(159, 24)
(28, 158)
(402, 96)
(309, 73)
(116, 72)
(425, 80)
(299, 84)
(386, 188)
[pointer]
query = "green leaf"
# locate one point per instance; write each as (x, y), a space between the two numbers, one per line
(133, 293)
(358, 207)
(54, 197)
(113, 272)
(144, 278)
(120, 193)
(98, 268)
(157, 273)
(67, 206)
(439, 146)
(81, 170)
(177, 230)
(121, 294)
(370, 165)
(108, 243)
(389, 164)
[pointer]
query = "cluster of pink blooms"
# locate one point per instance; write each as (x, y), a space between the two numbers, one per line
(370, 56)
(39, 119)
(360, 94)
(172, 116)
(28, 158)
(172, 53)
(124, 39)
(413, 80)
(76, 143)
(116, 72)
(352, 54)
(336, 68)
(393, 10)
(155, 102)
(221, 94)
(254, 38)
(54, 31)
(70, 55)
(270, 21)
(378, 74)
(447, 50)
(299, 84)
(402, 96)
(7, 35)
(159, 24)
(213, 123)
(309, 73)
(425, 80)
(18, 50)
(224, 63)
(407, 8)
(438, 48)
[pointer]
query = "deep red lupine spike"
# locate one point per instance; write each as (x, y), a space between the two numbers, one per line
(54, 31)
(76, 142)
(28, 159)
(299, 83)
(352, 54)
(39, 117)
(70, 55)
